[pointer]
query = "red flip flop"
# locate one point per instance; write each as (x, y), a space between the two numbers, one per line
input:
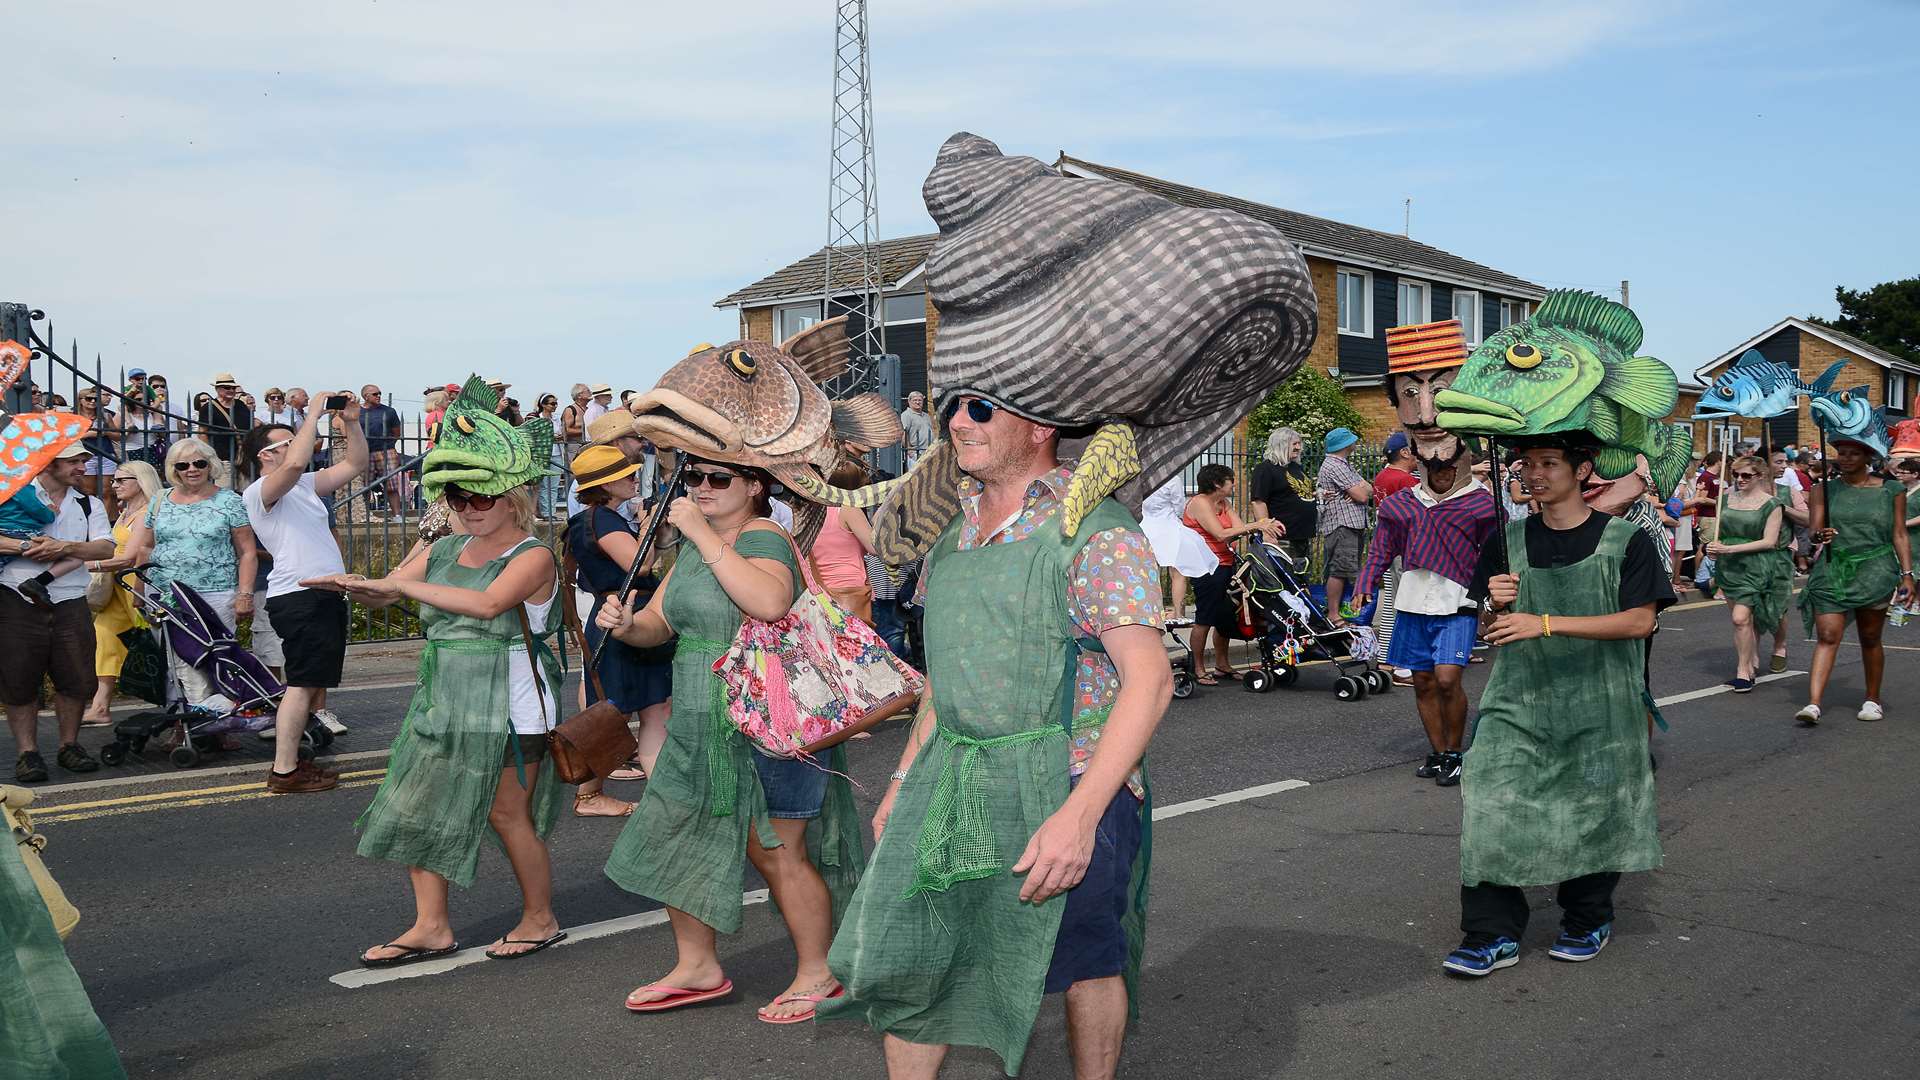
(798, 1017)
(678, 996)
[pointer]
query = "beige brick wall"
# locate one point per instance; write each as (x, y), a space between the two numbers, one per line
(1816, 356)
(756, 324)
(1326, 344)
(1371, 402)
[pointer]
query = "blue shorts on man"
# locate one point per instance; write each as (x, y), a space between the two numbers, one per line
(1422, 642)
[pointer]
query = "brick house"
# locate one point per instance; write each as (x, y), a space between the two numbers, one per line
(1810, 349)
(1366, 281)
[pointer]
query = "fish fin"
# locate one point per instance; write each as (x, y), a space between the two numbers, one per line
(821, 349)
(1588, 313)
(1110, 459)
(867, 419)
(1828, 377)
(1672, 457)
(1614, 462)
(916, 509)
(1603, 419)
(1643, 384)
(1753, 358)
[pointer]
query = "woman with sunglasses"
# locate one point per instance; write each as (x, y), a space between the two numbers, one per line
(197, 533)
(1754, 571)
(137, 485)
(142, 432)
(710, 800)
(551, 489)
(101, 442)
(1867, 563)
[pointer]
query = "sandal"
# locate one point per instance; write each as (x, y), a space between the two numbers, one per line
(537, 946)
(797, 1018)
(412, 954)
(1206, 680)
(632, 770)
(676, 996)
(1228, 674)
(582, 797)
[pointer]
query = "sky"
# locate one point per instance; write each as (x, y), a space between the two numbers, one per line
(406, 192)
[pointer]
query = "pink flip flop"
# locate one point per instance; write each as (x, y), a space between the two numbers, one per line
(798, 1017)
(679, 996)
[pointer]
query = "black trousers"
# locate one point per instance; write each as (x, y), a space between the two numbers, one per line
(1490, 911)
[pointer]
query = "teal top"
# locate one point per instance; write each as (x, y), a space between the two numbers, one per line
(193, 542)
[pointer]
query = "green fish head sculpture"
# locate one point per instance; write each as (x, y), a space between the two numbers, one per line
(481, 453)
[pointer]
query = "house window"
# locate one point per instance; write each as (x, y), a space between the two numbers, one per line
(1466, 308)
(1897, 391)
(906, 308)
(1513, 311)
(1356, 302)
(1413, 303)
(792, 319)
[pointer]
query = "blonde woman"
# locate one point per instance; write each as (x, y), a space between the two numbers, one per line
(137, 485)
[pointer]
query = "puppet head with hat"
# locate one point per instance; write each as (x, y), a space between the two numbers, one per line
(1422, 360)
(476, 451)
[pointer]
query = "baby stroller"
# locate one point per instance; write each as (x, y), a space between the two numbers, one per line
(247, 695)
(1180, 655)
(1293, 628)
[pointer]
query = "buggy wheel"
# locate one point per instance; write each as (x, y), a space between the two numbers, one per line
(1348, 688)
(1286, 675)
(306, 750)
(1183, 684)
(114, 753)
(318, 736)
(1257, 681)
(1377, 681)
(184, 756)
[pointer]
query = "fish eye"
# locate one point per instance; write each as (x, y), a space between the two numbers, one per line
(1846, 398)
(741, 363)
(1726, 391)
(1523, 356)
(464, 423)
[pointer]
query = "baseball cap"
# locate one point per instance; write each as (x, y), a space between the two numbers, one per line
(137, 373)
(1396, 442)
(73, 450)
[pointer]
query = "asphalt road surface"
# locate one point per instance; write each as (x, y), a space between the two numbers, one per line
(1305, 888)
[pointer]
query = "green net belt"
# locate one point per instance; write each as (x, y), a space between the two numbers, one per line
(956, 842)
(723, 778)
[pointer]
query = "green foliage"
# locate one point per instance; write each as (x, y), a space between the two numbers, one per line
(1309, 402)
(1886, 315)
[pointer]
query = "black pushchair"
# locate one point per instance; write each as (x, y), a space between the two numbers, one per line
(248, 696)
(1180, 656)
(1293, 628)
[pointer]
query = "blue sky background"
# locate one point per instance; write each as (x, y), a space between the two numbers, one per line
(407, 192)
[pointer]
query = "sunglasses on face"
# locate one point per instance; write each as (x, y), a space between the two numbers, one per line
(718, 481)
(462, 501)
(276, 397)
(196, 463)
(979, 410)
(1746, 476)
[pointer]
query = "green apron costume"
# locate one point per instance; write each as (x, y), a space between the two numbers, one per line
(431, 810)
(1859, 568)
(1557, 784)
(686, 845)
(48, 1029)
(1762, 580)
(938, 947)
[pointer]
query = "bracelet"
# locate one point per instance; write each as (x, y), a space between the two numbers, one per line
(898, 774)
(1546, 625)
(723, 554)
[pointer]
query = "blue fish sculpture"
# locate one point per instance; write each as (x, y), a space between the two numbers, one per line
(1850, 415)
(1757, 387)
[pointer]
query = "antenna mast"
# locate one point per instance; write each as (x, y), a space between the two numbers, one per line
(852, 282)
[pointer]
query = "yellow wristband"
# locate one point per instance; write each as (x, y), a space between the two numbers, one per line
(1546, 625)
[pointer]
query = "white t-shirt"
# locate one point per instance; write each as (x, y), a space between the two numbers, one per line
(595, 411)
(525, 687)
(782, 514)
(70, 522)
(295, 532)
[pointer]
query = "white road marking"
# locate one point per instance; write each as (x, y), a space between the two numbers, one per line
(360, 977)
(1696, 695)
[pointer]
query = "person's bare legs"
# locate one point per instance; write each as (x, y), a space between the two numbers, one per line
(1179, 594)
(698, 966)
(1453, 705)
(431, 927)
(1828, 629)
(1222, 660)
(289, 724)
(1096, 1026)
(1780, 637)
(1868, 622)
(801, 894)
(653, 733)
(1746, 643)
(1197, 643)
(512, 819)
(1336, 588)
(24, 721)
(66, 712)
(1426, 699)
(100, 709)
(911, 1060)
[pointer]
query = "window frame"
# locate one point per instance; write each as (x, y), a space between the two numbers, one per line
(1426, 300)
(1903, 401)
(1479, 332)
(1506, 304)
(1366, 301)
(921, 316)
(779, 317)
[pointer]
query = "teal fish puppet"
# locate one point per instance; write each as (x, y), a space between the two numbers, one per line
(481, 453)
(1849, 416)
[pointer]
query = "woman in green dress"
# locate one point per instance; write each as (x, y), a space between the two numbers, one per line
(1754, 571)
(713, 803)
(1866, 564)
(462, 764)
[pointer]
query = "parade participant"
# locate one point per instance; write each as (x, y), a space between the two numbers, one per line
(712, 803)
(1868, 562)
(463, 764)
(1046, 673)
(1754, 571)
(1570, 595)
(1211, 517)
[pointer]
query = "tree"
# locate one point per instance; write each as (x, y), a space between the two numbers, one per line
(1886, 315)
(1310, 403)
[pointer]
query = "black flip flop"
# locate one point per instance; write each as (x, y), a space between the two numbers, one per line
(537, 946)
(411, 956)
(1229, 676)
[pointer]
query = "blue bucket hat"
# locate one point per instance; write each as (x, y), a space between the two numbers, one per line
(1339, 439)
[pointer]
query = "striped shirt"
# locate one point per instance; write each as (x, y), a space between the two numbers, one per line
(1444, 536)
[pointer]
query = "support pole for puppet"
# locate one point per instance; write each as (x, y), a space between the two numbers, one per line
(1498, 472)
(675, 487)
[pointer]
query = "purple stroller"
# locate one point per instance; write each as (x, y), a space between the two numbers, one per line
(196, 635)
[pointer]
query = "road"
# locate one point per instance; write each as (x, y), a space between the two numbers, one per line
(1303, 895)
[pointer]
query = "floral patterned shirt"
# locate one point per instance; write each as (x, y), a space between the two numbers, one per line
(193, 542)
(1114, 581)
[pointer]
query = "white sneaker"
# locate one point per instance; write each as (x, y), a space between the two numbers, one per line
(1871, 711)
(1808, 714)
(329, 721)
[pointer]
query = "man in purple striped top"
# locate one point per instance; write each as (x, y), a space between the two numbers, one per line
(1436, 529)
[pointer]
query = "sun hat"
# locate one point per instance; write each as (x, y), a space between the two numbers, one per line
(73, 450)
(609, 426)
(600, 464)
(224, 378)
(601, 388)
(1339, 439)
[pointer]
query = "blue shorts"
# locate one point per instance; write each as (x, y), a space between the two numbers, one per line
(794, 788)
(1422, 641)
(1092, 943)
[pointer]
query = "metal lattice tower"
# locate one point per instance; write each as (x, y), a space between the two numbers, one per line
(852, 283)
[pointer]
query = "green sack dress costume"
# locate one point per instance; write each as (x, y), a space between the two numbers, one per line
(1556, 784)
(1762, 580)
(938, 947)
(431, 809)
(686, 845)
(48, 1029)
(1859, 569)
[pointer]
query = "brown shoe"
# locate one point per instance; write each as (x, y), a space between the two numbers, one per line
(304, 778)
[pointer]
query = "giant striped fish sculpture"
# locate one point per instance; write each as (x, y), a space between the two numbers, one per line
(1755, 386)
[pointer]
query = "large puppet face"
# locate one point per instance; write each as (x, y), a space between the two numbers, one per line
(1413, 394)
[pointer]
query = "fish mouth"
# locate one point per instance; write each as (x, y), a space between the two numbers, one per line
(1459, 411)
(1712, 410)
(671, 419)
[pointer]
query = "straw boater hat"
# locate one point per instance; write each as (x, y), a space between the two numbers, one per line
(1433, 346)
(609, 426)
(224, 378)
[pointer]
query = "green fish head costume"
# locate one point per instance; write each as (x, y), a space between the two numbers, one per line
(1571, 368)
(476, 450)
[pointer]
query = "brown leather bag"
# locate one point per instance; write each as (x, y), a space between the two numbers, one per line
(592, 743)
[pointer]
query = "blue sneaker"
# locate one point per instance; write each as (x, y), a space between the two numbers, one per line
(1581, 947)
(1482, 960)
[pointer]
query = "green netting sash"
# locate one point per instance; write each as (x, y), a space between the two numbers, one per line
(956, 840)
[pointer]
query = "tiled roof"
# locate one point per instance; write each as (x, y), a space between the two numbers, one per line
(897, 257)
(1872, 353)
(1367, 246)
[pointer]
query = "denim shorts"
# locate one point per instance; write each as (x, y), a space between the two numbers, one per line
(1092, 943)
(795, 788)
(1421, 642)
